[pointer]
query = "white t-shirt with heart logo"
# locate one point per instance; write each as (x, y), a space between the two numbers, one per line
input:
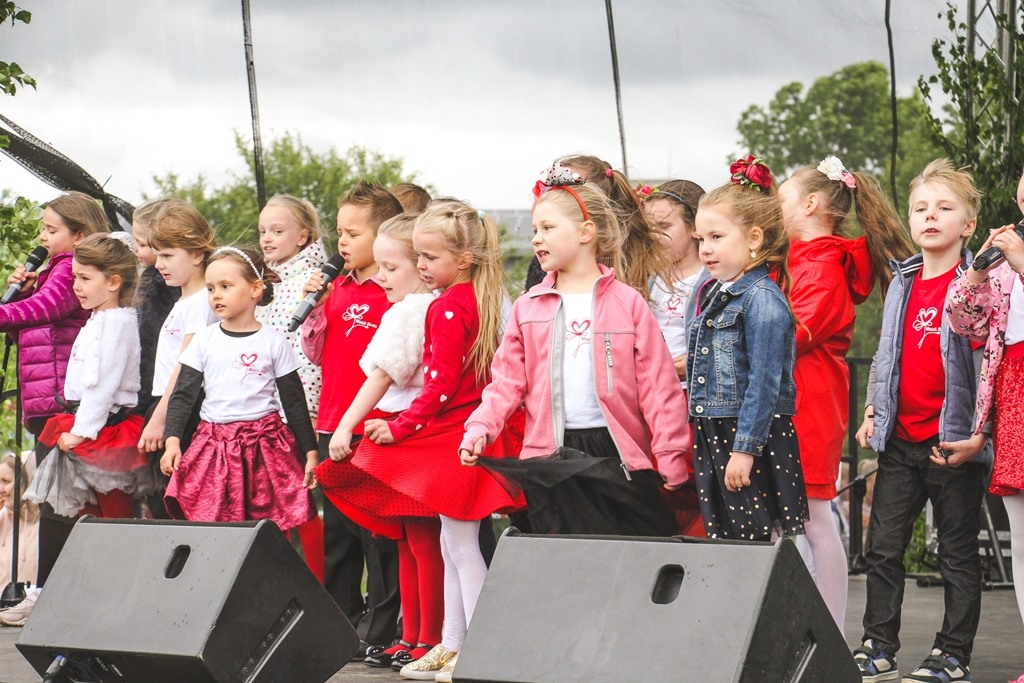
(582, 411)
(240, 372)
(668, 304)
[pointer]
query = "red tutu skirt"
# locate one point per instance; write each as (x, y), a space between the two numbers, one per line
(69, 482)
(1008, 469)
(115, 448)
(241, 471)
(382, 487)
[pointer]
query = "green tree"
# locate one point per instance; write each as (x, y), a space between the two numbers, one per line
(982, 126)
(291, 167)
(846, 113)
(19, 218)
(13, 76)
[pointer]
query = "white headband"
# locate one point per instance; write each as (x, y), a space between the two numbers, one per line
(236, 250)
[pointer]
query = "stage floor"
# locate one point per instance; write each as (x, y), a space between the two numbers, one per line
(998, 650)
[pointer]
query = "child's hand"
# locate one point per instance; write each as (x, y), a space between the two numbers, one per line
(315, 283)
(378, 431)
(737, 472)
(1012, 245)
(152, 438)
(469, 458)
(312, 460)
(68, 442)
(867, 428)
(979, 276)
(341, 444)
(22, 276)
(958, 452)
(680, 363)
(171, 458)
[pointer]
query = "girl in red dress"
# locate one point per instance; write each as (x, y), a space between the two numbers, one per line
(412, 460)
(831, 273)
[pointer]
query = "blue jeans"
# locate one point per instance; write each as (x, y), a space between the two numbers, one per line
(906, 479)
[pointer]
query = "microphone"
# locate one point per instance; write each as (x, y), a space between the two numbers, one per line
(994, 255)
(35, 259)
(330, 271)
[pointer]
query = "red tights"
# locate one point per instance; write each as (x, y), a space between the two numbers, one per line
(421, 582)
(311, 535)
(114, 505)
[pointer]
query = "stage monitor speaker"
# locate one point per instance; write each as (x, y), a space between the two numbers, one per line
(603, 610)
(163, 602)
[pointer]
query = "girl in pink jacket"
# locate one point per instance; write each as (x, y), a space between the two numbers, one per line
(45, 318)
(605, 413)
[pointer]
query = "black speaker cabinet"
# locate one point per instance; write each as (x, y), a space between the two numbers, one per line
(603, 610)
(181, 602)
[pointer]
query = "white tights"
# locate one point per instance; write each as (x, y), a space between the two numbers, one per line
(830, 567)
(464, 574)
(1015, 512)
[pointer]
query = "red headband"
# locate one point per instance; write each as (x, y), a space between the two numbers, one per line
(558, 177)
(541, 188)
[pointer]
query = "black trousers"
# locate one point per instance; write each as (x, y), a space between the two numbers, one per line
(906, 480)
(347, 547)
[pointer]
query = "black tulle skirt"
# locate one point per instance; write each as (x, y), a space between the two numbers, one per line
(582, 488)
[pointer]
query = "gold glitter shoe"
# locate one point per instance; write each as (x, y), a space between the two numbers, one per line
(426, 667)
(445, 674)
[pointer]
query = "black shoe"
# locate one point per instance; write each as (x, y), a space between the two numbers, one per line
(378, 656)
(400, 659)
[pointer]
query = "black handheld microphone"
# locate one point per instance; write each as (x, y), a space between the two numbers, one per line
(330, 271)
(994, 255)
(35, 259)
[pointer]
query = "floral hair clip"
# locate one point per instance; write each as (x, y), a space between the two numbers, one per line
(834, 169)
(558, 177)
(645, 192)
(751, 172)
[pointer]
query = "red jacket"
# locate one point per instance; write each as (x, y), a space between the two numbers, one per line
(637, 387)
(830, 275)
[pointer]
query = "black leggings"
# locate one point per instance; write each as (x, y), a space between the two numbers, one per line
(54, 529)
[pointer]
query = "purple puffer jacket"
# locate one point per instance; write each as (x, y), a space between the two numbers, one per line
(45, 323)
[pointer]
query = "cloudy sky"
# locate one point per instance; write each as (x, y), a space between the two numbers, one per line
(475, 95)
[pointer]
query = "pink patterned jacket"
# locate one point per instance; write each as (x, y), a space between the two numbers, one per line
(979, 312)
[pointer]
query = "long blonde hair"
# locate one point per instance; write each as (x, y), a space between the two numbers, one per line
(643, 255)
(465, 230)
(600, 210)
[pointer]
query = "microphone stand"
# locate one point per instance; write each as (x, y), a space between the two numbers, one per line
(13, 592)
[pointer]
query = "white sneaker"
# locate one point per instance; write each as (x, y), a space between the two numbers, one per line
(18, 615)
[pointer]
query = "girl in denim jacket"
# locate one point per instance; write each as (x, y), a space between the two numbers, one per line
(741, 354)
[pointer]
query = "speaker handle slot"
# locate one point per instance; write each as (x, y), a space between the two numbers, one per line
(667, 584)
(176, 563)
(802, 657)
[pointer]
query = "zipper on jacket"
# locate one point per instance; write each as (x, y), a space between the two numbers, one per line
(608, 358)
(625, 470)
